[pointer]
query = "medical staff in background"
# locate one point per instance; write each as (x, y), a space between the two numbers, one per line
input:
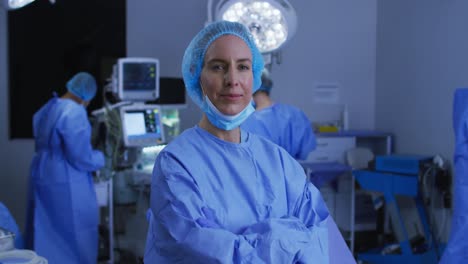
(220, 194)
(284, 124)
(457, 247)
(63, 211)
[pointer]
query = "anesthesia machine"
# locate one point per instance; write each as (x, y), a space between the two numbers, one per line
(131, 129)
(125, 128)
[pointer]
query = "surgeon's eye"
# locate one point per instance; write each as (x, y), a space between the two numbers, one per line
(244, 67)
(217, 67)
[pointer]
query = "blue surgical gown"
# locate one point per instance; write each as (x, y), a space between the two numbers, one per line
(63, 210)
(286, 126)
(214, 201)
(8, 222)
(457, 248)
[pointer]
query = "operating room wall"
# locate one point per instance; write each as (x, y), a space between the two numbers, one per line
(422, 57)
(334, 44)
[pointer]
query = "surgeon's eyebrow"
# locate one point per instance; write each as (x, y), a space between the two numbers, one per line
(244, 60)
(218, 60)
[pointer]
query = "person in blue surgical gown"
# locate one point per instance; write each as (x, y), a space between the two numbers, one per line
(220, 194)
(284, 124)
(457, 247)
(63, 212)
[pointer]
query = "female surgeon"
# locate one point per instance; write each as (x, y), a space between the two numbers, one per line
(222, 195)
(62, 212)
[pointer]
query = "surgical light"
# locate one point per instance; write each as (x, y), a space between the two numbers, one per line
(15, 4)
(271, 22)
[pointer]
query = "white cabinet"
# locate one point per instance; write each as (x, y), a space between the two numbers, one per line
(331, 149)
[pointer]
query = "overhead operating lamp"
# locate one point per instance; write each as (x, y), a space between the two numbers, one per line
(271, 22)
(16, 4)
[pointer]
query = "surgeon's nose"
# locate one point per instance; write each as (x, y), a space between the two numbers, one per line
(231, 78)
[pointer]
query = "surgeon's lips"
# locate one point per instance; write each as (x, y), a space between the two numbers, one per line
(232, 97)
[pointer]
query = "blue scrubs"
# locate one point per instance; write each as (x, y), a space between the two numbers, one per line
(457, 248)
(63, 206)
(8, 222)
(286, 126)
(214, 201)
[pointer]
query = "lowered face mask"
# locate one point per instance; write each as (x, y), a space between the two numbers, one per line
(222, 121)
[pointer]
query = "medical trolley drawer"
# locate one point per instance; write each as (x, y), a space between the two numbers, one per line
(331, 149)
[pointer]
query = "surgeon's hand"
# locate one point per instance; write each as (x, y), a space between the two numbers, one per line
(209, 221)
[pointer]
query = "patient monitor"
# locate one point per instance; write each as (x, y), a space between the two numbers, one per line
(141, 125)
(137, 79)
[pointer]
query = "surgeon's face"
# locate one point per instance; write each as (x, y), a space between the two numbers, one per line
(227, 75)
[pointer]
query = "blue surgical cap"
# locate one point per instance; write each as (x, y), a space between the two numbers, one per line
(194, 55)
(82, 85)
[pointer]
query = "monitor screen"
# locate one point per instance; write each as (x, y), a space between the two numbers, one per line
(138, 79)
(142, 125)
(135, 123)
